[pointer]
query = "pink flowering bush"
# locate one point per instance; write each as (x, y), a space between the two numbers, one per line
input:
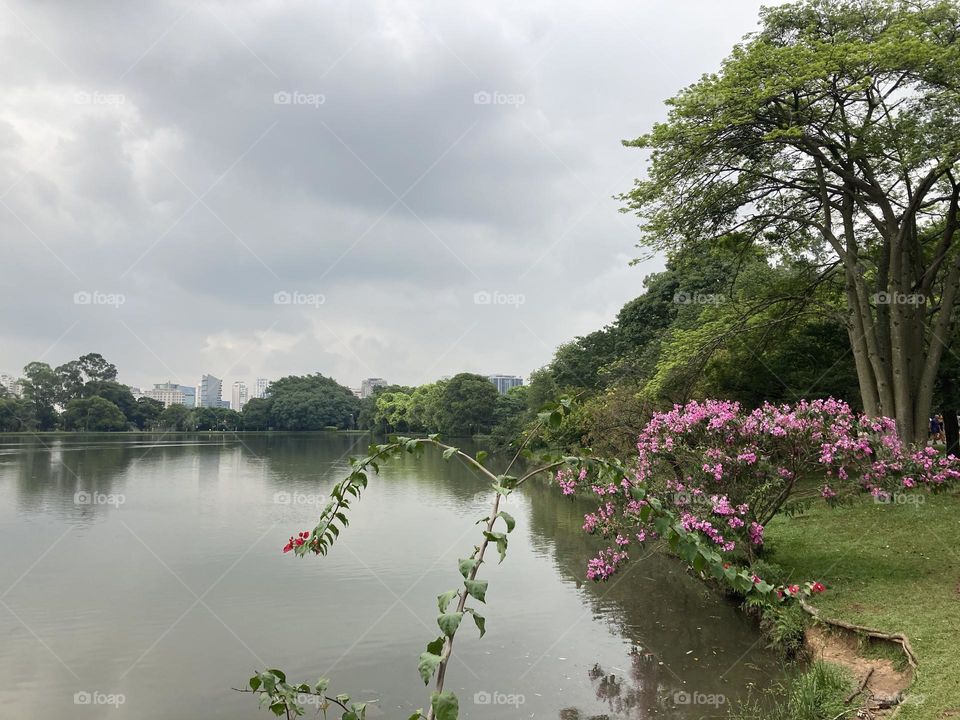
(725, 472)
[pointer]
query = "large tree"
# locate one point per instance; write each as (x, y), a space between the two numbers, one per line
(468, 405)
(832, 133)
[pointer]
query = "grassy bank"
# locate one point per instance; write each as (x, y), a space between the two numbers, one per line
(891, 567)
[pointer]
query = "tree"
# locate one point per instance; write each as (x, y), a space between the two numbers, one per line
(95, 367)
(116, 393)
(94, 414)
(311, 402)
(425, 404)
(70, 379)
(468, 404)
(146, 413)
(16, 414)
(393, 409)
(176, 417)
(833, 132)
(509, 414)
(256, 414)
(41, 387)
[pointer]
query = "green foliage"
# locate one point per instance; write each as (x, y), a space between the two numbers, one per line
(814, 694)
(467, 406)
(16, 414)
(307, 402)
(93, 414)
(175, 417)
(146, 413)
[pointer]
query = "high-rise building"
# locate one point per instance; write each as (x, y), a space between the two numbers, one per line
(173, 394)
(505, 382)
(370, 384)
(239, 396)
(210, 392)
(260, 389)
(10, 384)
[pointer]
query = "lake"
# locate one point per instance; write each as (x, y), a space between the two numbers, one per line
(142, 576)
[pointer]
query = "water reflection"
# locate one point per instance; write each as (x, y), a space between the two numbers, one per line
(200, 518)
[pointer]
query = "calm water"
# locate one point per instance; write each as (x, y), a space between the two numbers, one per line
(169, 587)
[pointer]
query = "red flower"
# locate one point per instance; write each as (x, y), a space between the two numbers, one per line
(793, 589)
(817, 588)
(289, 546)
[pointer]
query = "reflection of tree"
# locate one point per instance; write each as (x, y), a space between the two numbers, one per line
(685, 636)
(57, 468)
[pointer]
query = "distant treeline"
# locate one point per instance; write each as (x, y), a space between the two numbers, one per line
(84, 395)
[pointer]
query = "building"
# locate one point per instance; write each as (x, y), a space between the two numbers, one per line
(505, 382)
(370, 384)
(10, 384)
(210, 392)
(168, 396)
(168, 391)
(239, 395)
(261, 388)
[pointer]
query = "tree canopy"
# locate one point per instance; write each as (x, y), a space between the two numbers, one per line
(832, 133)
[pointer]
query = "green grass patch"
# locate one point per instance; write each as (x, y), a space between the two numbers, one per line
(892, 567)
(816, 693)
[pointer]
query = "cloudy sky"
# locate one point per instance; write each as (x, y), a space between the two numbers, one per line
(260, 188)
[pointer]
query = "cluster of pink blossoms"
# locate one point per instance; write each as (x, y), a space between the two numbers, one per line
(605, 564)
(724, 472)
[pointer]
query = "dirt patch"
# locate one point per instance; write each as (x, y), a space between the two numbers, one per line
(885, 684)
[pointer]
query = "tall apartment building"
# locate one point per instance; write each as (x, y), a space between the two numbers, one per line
(370, 384)
(210, 392)
(10, 384)
(505, 382)
(260, 388)
(239, 395)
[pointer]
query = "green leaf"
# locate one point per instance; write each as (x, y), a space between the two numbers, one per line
(481, 456)
(477, 588)
(444, 600)
(417, 715)
(255, 683)
(479, 621)
(508, 519)
(445, 705)
(449, 622)
(428, 666)
(449, 453)
(467, 566)
(435, 646)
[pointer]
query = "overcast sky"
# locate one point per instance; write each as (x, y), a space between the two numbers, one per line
(265, 188)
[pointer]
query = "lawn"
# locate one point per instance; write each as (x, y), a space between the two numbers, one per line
(892, 567)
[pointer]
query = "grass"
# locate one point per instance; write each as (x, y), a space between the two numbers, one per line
(817, 693)
(891, 567)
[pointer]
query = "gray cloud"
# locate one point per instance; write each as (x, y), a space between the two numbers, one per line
(428, 151)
